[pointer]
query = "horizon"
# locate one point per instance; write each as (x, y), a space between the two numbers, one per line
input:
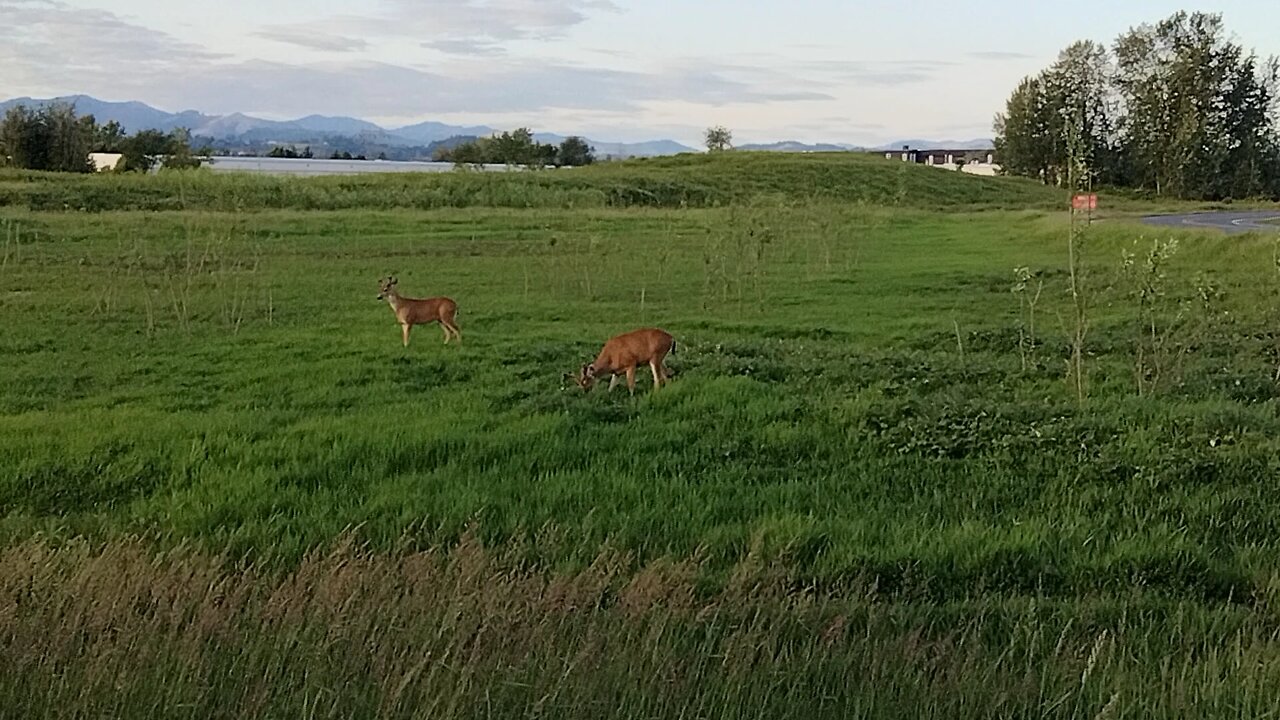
(612, 71)
(934, 143)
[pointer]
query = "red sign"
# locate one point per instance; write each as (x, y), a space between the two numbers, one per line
(1084, 202)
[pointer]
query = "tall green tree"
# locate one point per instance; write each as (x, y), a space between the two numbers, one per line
(1181, 110)
(24, 139)
(718, 138)
(109, 137)
(143, 150)
(1025, 133)
(149, 148)
(1078, 88)
(1198, 108)
(516, 147)
(178, 154)
(473, 152)
(49, 138)
(575, 151)
(1073, 95)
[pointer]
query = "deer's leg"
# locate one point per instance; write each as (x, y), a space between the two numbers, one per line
(631, 380)
(613, 382)
(404, 329)
(657, 377)
(453, 328)
(445, 329)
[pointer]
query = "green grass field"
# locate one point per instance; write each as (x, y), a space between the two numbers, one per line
(869, 491)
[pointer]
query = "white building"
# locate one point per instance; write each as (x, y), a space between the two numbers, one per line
(974, 162)
(105, 161)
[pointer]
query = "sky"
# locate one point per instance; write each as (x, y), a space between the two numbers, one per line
(864, 72)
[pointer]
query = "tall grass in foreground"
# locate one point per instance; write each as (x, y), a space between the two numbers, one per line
(116, 631)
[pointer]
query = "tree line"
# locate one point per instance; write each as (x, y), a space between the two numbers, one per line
(518, 147)
(1176, 108)
(52, 137)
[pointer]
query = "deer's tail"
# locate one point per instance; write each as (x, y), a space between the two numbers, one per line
(673, 346)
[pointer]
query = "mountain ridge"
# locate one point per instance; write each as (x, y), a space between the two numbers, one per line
(134, 115)
(340, 130)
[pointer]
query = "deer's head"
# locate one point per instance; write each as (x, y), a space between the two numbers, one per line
(386, 286)
(585, 378)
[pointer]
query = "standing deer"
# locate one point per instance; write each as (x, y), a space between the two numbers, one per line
(421, 311)
(624, 353)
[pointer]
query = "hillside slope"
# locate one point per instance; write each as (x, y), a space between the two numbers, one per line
(676, 182)
(850, 176)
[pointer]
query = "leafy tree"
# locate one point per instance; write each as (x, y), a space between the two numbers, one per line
(1078, 87)
(1073, 93)
(50, 138)
(143, 150)
(71, 138)
(288, 151)
(474, 152)
(719, 139)
(546, 155)
(1199, 108)
(575, 151)
(1181, 110)
(109, 138)
(1025, 133)
(516, 148)
(24, 139)
(178, 154)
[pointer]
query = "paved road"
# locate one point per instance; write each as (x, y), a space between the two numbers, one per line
(1230, 222)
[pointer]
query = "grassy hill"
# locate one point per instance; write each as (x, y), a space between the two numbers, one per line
(695, 181)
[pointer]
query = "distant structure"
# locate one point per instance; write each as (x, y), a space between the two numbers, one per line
(105, 161)
(974, 162)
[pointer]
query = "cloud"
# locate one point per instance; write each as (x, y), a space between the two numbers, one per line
(314, 41)
(378, 89)
(999, 55)
(478, 23)
(53, 42)
(497, 19)
(473, 48)
(877, 72)
(50, 47)
(610, 52)
(827, 74)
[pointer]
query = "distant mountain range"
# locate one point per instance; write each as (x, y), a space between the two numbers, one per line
(317, 129)
(793, 146)
(354, 133)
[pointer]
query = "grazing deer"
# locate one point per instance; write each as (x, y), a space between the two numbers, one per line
(421, 311)
(624, 353)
